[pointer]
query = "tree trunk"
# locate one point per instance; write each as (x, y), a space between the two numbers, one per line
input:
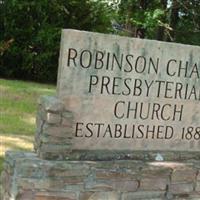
(174, 17)
(141, 31)
(161, 29)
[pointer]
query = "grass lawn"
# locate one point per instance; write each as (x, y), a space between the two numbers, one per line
(18, 104)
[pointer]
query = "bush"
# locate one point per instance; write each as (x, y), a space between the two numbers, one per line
(34, 29)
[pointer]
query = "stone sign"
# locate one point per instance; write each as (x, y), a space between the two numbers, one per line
(115, 95)
(128, 93)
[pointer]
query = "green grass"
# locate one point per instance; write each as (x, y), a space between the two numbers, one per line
(18, 105)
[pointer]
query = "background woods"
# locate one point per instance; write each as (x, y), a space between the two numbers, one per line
(30, 36)
(30, 30)
(166, 20)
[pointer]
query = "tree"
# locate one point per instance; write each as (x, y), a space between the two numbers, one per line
(187, 27)
(167, 20)
(140, 17)
(32, 29)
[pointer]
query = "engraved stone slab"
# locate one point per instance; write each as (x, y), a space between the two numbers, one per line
(128, 93)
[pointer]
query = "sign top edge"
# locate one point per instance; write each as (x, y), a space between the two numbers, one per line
(112, 36)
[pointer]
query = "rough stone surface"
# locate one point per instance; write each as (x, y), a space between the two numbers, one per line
(181, 188)
(184, 175)
(155, 183)
(51, 104)
(52, 118)
(198, 186)
(100, 196)
(54, 132)
(99, 76)
(27, 177)
(154, 195)
(54, 138)
(56, 196)
(94, 117)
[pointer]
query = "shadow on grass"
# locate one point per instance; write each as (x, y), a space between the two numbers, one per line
(16, 147)
(1, 163)
(24, 138)
(13, 142)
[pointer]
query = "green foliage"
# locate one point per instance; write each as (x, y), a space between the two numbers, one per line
(188, 26)
(168, 20)
(30, 30)
(134, 14)
(35, 29)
